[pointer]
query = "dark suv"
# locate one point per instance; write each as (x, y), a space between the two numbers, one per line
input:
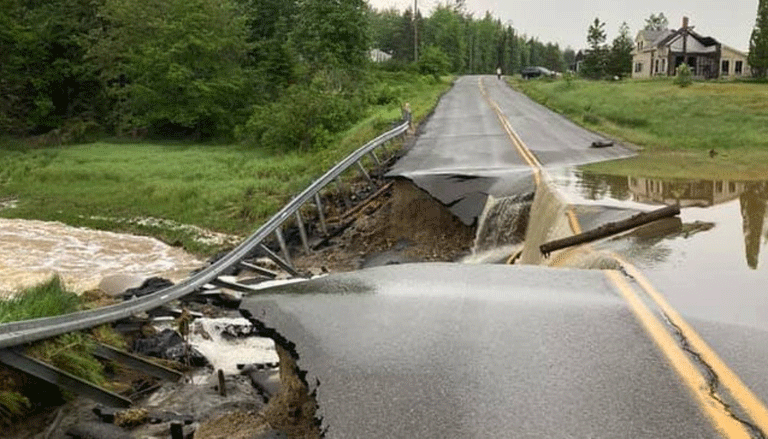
(535, 72)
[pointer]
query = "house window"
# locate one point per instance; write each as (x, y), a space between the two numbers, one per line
(725, 67)
(663, 65)
(657, 66)
(692, 65)
(638, 67)
(738, 67)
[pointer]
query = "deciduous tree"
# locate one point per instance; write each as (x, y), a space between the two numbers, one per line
(174, 66)
(656, 22)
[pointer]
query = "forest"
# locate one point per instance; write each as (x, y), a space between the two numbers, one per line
(285, 75)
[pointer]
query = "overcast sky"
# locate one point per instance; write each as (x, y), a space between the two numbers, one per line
(566, 21)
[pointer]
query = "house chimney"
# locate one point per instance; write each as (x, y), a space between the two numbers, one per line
(685, 22)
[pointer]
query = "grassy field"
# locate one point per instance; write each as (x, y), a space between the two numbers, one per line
(677, 127)
(225, 188)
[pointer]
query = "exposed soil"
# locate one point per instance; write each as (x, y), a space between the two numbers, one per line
(404, 224)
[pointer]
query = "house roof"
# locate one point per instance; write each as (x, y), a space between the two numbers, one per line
(652, 36)
(705, 41)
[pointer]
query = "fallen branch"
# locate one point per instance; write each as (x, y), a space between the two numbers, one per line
(609, 229)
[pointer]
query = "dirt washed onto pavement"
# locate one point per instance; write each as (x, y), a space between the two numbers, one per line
(32, 251)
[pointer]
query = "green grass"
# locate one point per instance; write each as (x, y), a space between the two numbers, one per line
(225, 188)
(44, 300)
(70, 352)
(677, 127)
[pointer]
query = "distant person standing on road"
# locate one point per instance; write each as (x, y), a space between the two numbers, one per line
(498, 72)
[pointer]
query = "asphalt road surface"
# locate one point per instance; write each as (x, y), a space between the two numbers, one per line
(486, 351)
(463, 152)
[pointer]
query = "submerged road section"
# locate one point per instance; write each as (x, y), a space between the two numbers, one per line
(465, 154)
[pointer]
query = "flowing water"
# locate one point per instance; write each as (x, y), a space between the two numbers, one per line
(33, 251)
(502, 223)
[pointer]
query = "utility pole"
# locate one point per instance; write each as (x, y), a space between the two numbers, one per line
(415, 30)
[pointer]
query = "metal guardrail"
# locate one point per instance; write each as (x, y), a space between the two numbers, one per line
(27, 331)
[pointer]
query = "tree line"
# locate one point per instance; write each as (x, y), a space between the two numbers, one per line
(452, 40)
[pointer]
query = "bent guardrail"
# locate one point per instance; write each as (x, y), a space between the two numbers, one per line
(27, 331)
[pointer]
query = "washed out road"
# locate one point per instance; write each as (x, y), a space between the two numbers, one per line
(457, 350)
(464, 153)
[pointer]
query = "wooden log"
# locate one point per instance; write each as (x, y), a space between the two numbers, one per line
(609, 229)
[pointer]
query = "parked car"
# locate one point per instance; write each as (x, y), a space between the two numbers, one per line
(535, 72)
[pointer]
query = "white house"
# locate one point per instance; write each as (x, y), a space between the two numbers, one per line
(659, 53)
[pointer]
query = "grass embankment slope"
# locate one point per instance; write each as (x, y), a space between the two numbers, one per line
(677, 127)
(70, 352)
(226, 188)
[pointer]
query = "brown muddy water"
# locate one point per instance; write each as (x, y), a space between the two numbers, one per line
(723, 224)
(32, 251)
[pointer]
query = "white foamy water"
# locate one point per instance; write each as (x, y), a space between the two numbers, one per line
(226, 353)
(32, 251)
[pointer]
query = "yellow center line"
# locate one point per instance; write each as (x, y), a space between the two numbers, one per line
(752, 405)
(573, 221)
(749, 402)
(524, 152)
(728, 426)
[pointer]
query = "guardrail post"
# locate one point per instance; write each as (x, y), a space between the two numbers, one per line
(283, 247)
(344, 197)
(407, 115)
(287, 266)
(321, 214)
(365, 173)
(375, 158)
(302, 232)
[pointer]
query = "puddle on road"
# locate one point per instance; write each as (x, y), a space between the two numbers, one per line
(723, 224)
(32, 251)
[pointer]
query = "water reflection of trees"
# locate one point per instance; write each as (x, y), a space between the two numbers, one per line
(752, 196)
(599, 186)
(754, 202)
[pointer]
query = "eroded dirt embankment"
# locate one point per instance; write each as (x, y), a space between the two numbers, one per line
(405, 224)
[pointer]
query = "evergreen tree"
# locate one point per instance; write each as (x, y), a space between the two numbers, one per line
(758, 43)
(620, 58)
(569, 58)
(596, 58)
